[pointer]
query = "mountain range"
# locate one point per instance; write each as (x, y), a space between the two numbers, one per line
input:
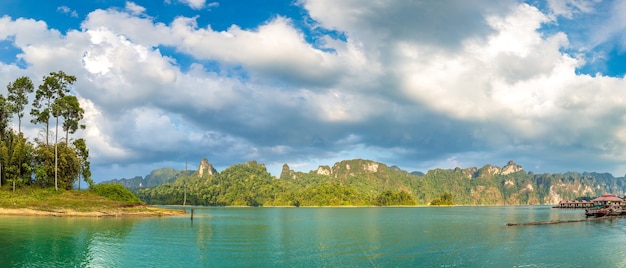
(366, 182)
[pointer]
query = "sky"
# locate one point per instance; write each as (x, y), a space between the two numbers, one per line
(416, 84)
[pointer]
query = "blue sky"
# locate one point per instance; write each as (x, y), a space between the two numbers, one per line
(417, 84)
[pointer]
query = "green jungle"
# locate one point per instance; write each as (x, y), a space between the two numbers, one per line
(366, 183)
(54, 159)
(42, 174)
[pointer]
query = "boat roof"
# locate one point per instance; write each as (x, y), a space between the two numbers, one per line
(607, 197)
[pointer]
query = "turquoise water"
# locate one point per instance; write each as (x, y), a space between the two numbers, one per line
(317, 237)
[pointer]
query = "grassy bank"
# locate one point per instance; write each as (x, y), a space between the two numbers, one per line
(47, 201)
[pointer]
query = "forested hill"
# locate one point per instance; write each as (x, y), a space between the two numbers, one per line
(364, 182)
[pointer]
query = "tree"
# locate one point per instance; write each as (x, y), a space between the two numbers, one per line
(5, 115)
(18, 98)
(443, 200)
(16, 156)
(83, 155)
(21, 159)
(54, 87)
(67, 166)
(69, 108)
(47, 103)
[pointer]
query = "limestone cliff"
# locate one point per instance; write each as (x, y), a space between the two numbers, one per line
(511, 167)
(206, 168)
(287, 173)
(488, 185)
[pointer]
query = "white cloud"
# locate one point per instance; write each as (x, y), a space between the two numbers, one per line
(67, 10)
(213, 5)
(568, 8)
(403, 84)
(134, 8)
(196, 4)
(275, 49)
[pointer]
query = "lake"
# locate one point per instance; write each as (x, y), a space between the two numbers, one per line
(318, 237)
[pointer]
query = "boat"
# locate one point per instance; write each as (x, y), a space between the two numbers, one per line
(602, 211)
(606, 205)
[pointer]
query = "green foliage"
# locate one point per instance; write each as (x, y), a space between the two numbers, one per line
(250, 184)
(366, 183)
(18, 97)
(69, 166)
(69, 108)
(391, 198)
(42, 164)
(83, 156)
(443, 200)
(17, 155)
(47, 199)
(115, 192)
(55, 86)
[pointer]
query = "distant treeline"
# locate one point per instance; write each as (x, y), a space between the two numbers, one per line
(367, 183)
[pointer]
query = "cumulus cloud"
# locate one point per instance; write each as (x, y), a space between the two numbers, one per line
(195, 4)
(416, 84)
(134, 8)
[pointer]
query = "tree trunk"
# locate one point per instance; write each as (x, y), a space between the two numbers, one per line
(47, 134)
(56, 157)
(81, 171)
(48, 123)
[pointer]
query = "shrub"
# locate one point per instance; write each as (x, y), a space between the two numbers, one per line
(115, 191)
(443, 200)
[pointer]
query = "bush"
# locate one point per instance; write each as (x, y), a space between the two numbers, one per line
(115, 191)
(391, 198)
(443, 200)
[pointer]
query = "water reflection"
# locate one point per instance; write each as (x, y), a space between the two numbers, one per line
(317, 237)
(57, 241)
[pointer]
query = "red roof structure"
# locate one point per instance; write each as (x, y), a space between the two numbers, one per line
(607, 197)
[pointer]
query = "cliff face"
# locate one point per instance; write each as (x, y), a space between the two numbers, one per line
(163, 175)
(511, 167)
(488, 185)
(286, 173)
(206, 168)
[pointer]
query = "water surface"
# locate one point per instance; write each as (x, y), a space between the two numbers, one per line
(314, 237)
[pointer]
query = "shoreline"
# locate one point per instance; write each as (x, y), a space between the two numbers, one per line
(147, 211)
(139, 211)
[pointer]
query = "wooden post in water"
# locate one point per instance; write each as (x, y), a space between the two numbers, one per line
(192, 214)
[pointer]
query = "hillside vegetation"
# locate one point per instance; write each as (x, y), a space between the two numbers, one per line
(101, 201)
(367, 183)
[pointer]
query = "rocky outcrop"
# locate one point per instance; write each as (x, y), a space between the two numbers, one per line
(287, 173)
(511, 167)
(488, 170)
(371, 167)
(324, 170)
(356, 166)
(206, 168)
(472, 186)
